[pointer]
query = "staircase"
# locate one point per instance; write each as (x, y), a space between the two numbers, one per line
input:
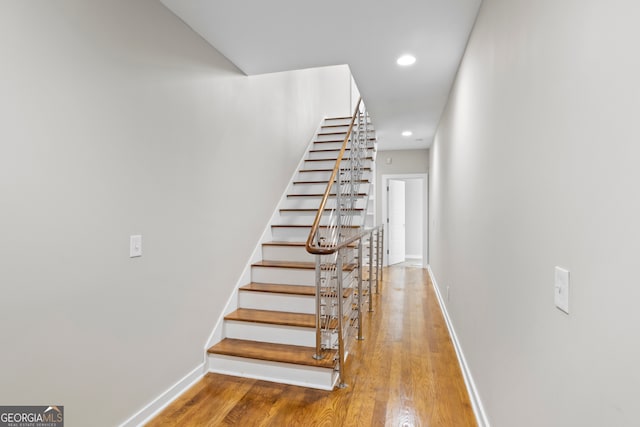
(272, 334)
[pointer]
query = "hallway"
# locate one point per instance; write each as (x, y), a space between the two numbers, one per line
(405, 373)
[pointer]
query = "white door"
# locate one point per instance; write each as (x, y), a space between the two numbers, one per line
(396, 221)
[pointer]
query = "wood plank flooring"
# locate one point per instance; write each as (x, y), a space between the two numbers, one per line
(405, 373)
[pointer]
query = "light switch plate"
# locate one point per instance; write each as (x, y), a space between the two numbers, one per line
(135, 246)
(561, 289)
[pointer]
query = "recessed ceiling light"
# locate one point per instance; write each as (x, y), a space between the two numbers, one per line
(407, 133)
(405, 60)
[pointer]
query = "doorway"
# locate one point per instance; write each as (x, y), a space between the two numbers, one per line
(405, 214)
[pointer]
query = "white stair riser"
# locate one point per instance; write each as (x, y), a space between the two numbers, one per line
(314, 203)
(286, 253)
(342, 126)
(330, 164)
(317, 197)
(331, 136)
(319, 188)
(304, 215)
(308, 220)
(333, 127)
(341, 121)
(332, 144)
(324, 151)
(333, 155)
(325, 175)
(284, 276)
(277, 334)
(335, 134)
(287, 276)
(290, 234)
(306, 376)
(277, 302)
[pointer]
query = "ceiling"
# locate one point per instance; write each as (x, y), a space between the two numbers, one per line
(279, 35)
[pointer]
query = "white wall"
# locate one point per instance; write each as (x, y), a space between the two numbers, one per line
(414, 217)
(116, 120)
(402, 162)
(535, 164)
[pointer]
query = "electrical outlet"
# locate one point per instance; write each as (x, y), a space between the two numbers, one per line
(561, 289)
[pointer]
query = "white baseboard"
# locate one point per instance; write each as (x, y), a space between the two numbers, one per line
(476, 402)
(145, 414)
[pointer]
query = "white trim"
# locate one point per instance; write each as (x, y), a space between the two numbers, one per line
(232, 302)
(283, 373)
(425, 209)
(476, 402)
(152, 409)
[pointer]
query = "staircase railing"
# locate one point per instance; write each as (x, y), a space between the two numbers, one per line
(338, 239)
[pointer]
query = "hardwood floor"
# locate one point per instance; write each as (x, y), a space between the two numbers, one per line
(405, 373)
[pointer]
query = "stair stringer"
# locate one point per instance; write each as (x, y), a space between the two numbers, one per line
(217, 332)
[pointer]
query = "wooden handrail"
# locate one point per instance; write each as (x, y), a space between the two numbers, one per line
(316, 223)
(343, 244)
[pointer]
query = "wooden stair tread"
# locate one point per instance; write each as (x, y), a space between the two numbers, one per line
(283, 318)
(280, 289)
(285, 264)
(333, 159)
(309, 226)
(362, 181)
(334, 125)
(371, 138)
(316, 209)
(370, 144)
(283, 353)
(296, 264)
(289, 290)
(324, 150)
(279, 243)
(343, 125)
(296, 244)
(328, 170)
(321, 195)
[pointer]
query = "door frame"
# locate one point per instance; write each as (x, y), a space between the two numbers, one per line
(399, 207)
(425, 211)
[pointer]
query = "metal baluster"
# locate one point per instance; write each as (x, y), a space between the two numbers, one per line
(339, 227)
(341, 350)
(381, 258)
(371, 273)
(360, 296)
(318, 354)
